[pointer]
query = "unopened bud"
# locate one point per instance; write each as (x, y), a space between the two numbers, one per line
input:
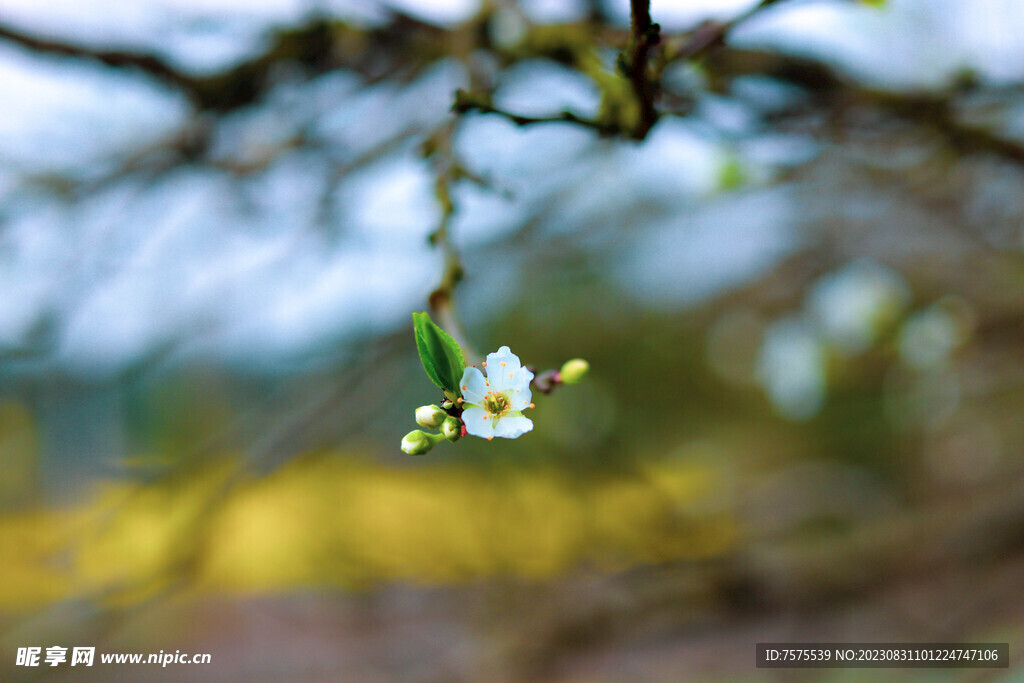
(447, 405)
(417, 442)
(452, 428)
(430, 416)
(573, 370)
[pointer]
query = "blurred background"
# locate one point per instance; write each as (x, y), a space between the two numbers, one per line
(800, 295)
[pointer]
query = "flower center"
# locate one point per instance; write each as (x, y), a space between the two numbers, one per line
(496, 403)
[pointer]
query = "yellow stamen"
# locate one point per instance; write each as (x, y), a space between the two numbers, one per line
(511, 374)
(533, 405)
(485, 364)
(490, 438)
(502, 363)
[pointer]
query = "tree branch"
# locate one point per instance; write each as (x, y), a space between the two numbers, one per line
(465, 102)
(830, 91)
(150, 64)
(402, 46)
(644, 35)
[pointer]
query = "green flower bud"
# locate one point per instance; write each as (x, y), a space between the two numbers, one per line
(418, 442)
(447, 405)
(451, 428)
(430, 416)
(573, 370)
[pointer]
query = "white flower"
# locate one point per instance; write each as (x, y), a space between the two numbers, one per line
(494, 405)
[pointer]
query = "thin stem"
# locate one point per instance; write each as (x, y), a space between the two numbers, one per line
(441, 299)
(563, 117)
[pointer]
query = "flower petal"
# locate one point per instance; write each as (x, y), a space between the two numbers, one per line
(473, 386)
(520, 398)
(503, 355)
(512, 426)
(502, 366)
(478, 422)
(521, 379)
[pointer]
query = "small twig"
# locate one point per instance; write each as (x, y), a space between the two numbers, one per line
(438, 149)
(464, 104)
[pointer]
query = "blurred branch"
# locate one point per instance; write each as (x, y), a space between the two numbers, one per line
(438, 150)
(467, 102)
(340, 170)
(644, 36)
(709, 35)
(320, 45)
(150, 64)
(405, 45)
(829, 90)
(938, 113)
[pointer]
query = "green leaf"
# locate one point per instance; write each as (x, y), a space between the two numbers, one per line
(440, 354)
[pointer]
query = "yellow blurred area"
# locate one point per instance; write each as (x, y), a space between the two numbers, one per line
(328, 520)
(30, 572)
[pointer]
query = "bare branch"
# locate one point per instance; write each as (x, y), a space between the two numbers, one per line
(831, 91)
(403, 46)
(464, 103)
(644, 35)
(150, 64)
